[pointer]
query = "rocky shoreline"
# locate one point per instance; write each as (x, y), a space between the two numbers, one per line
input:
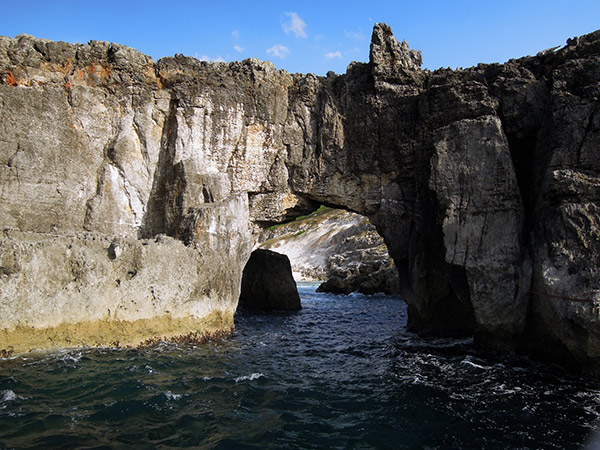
(130, 189)
(340, 248)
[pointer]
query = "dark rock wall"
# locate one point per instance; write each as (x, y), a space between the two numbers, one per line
(483, 183)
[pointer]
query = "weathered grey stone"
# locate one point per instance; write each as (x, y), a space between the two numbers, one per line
(474, 184)
(81, 285)
(566, 212)
(394, 63)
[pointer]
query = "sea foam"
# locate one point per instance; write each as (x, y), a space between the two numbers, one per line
(250, 377)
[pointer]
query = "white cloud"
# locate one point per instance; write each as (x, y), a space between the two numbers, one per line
(296, 25)
(235, 34)
(238, 48)
(280, 51)
(331, 55)
(210, 58)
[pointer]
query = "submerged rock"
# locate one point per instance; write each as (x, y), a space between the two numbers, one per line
(268, 284)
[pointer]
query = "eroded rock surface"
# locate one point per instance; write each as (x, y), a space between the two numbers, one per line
(483, 182)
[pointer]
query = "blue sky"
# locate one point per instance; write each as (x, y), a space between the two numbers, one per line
(310, 36)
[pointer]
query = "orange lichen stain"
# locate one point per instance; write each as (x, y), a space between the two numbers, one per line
(68, 64)
(92, 75)
(10, 79)
(98, 70)
(289, 201)
(63, 68)
(150, 72)
(152, 77)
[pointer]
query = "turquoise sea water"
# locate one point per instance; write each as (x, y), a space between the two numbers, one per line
(342, 373)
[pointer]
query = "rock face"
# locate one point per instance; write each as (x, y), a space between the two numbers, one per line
(338, 246)
(361, 263)
(106, 291)
(268, 284)
(483, 182)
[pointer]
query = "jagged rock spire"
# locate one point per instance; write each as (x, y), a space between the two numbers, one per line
(390, 59)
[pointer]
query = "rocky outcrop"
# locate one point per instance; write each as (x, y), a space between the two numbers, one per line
(268, 284)
(338, 246)
(483, 182)
(107, 291)
(383, 280)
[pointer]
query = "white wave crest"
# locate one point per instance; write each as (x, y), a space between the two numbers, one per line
(470, 362)
(250, 377)
(172, 396)
(7, 396)
(71, 358)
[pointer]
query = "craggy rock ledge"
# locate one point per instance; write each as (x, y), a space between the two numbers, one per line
(484, 183)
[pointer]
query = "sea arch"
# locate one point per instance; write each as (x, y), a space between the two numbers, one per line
(117, 170)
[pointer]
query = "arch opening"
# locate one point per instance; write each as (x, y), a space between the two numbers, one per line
(337, 248)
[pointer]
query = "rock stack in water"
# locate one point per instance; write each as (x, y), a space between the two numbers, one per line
(268, 284)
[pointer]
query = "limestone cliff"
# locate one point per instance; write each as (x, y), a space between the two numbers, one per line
(484, 183)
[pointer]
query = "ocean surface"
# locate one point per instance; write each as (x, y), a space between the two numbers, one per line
(343, 373)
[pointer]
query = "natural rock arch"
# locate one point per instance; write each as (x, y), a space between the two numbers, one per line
(474, 178)
(483, 183)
